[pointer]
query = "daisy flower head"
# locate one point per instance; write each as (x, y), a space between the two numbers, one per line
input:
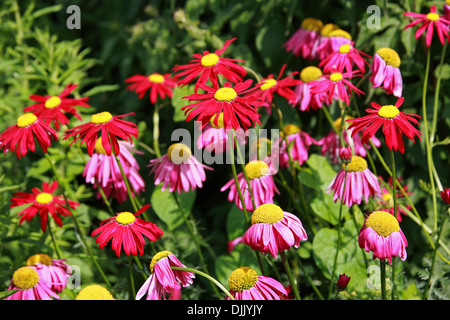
(344, 59)
(429, 22)
(381, 234)
(178, 170)
(94, 292)
(213, 137)
(54, 271)
(298, 144)
(111, 128)
(30, 285)
(274, 230)
(260, 177)
(43, 202)
(208, 66)
(447, 10)
(20, 137)
(385, 72)
(332, 41)
(163, 278)
(394, 122)
(159, 85)
(246, 284)
(54, 108)
(304, 41)
(238, 108)
(360, 183)
(386, 202)
(127, 230)
(304, 97)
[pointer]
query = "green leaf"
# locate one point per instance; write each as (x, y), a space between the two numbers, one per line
(324, 206)
(101, 89)
(443, 71)
(178, 102)
(5, 294)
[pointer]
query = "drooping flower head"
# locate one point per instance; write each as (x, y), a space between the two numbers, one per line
(332, 41)
(54, 108)
(274, 230)
(303, 43)
(208, 66)
(127, 231)
(94, 292)
(394, 122)
(381, 234)
(344, 60)
(54, 271)
(43, 203)
(246, 284)
(111, 128)
(429, 22)
(305, 98)
(159, 85)
(386, 73)
(20, 138)
(298, 144)
(386, 201)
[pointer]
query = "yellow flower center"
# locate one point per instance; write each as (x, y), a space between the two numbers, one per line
(52, 102)
(267, 213)
(256, 169)
(388, 112)
(125, 218)
(156, 78)
(219, 121)
(157, 257)
(383, 223)
(39, 258)
(310, 73)
(433, 16)
(178, 153)
(241, 279)
(25, 278)
(26, 119)
(390, 56)
(386, 196)
(340, 33)
(338, 122)
(345, 48)
(260, 144)
(44, 198)
(357, 164)
(267, 84)
(99, 146)
(225, 94)
(291, 129)
(447, 2)
(209, 60)
(312, 24)
(102, 117)
(325, 31)
(336, 76)
(94, 292)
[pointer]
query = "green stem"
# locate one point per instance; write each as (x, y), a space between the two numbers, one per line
(394, 196)
(241, 160)
(383, 279)
(130, 270)
(52, 236)
(156, 131)
(290, 275)
(436, 95)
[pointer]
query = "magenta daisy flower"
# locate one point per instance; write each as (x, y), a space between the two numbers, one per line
(54, 271)
(360, 184)
(163, 278)
(385, 72)
(126, 230)
(381, 234)
(246, 284)
(303, 43)
(178, 170)
(344, 59)
(274, 230)
(299, 143)
(394, 122)
(259, 174)
(208, 66)
(159, 85)
(214, 138)
(331, 43)
(386, 201)
(304, 97)
(429, 22)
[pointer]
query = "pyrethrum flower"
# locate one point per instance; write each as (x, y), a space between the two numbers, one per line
(261, 182)
(298, 144)
(42, 203)
(54, 271)
(381, 234)
(54, 108)
(303, 43)
(126, 230)
(94, 292)
(395, 124)
(274, 230)
(386, 200)
(331, 43)
(30, 285)
(178, 170)
(163, 279)
(360, 183)
(344, 60)
(20, 138)
(385, 72)
(208, 66)
(159, 85)
(305, 98)
(430, 22)
(246, 284)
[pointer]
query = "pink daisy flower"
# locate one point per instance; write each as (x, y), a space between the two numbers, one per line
(159, 85)
(246, 284)
(304, 97)
(299, 142)
(361, 183)
(274, 230)
(259, 174)
(30, 285)
(331, 43)
(126, 230)
(385, 72)
(178, 170)
(54, 271)
(386, 201)
(305, 40)
(344, 59)
(163, 278)
(381, 234)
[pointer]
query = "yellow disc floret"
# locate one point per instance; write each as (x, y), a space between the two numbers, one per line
(358, 164)
(386, 197)
(241, 279)
(26, 119)
(269, 83)
(390, 56)
(312, 24)
(44, 198)
(160, 255)
(325, 31)
(267, 213)
(156, 78)
(102, 117)
(209, 60)
(345, 48)
(94, 292)
(225, 94)
(433, 16)
(39, 258)
(125, 218)
(336, 76)
(291, 129)
(52, 102)
(388, 112)
(383, 223)
(340, 33)
(256, 169)
(219, 121)
(25, 278)
(99, 146)
(178, 153)
(310, 73)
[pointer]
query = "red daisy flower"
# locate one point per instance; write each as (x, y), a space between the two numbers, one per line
(429, 22)
(159, 85)
(208, 66)
(238, 109)
(20, 137)
(395, 123)
(111, 127)
(42, 203)
(53, 108)
(126, 230)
